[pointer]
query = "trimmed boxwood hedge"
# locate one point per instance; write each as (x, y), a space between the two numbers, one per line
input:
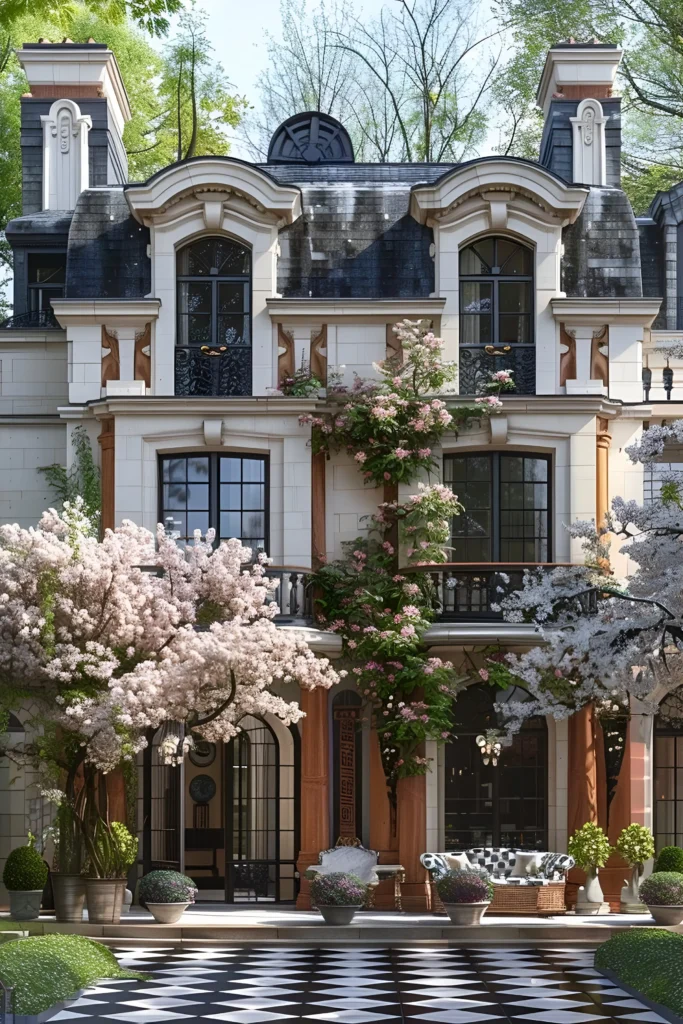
(45, 969)
(649, 960)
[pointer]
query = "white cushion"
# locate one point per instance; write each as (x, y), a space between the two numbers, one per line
(350, 860)
(457, 861)
(526, 864)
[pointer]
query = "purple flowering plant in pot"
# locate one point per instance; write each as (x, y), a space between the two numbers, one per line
(338, 896)
(662, 893)
(465, 895)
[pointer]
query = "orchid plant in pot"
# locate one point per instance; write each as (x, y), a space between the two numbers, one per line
(338, 896)
(111, 851)
(68, 883)
(465, 895)
(590, 848)
(636, 845)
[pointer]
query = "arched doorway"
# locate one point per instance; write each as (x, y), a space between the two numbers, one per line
(487, 805)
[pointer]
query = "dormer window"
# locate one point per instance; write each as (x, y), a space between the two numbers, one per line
(46, 279)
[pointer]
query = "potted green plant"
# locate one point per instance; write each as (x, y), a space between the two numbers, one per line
(25, 875)
(636, 845)
(167, 895)
(68, 884)
(662, 893)
(590, 848)
(338, 896)
(670, 859)
(111, 850)
(465, 895)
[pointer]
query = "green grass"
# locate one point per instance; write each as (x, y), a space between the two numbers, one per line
(649, 960)
(45, 969)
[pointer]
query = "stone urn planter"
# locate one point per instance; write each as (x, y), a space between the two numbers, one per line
(69, 895)
(105, 899)
(662, 893)
(466, 913)
(339, 915)
(666, 915)
(24, 905)
(167, 913)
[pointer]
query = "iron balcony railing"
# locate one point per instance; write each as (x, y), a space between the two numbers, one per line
(294, 596)
(35, 320)
(466, 592)
(478, 362)
(667, 382)
(208, 371)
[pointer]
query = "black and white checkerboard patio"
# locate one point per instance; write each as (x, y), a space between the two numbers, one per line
(258, 985)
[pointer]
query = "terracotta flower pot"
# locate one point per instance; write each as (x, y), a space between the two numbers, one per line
(338, 914)
(69, 894)
(466, 913)
(167, 913)
(24, 904)
(105, 899)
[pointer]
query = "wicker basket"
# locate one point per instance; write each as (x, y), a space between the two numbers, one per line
(518, 899)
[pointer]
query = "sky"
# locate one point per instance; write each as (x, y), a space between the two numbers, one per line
(237, 29)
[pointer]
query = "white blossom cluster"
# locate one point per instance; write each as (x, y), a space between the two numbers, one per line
(112, 651)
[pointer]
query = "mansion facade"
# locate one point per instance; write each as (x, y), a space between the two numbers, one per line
(161, 315)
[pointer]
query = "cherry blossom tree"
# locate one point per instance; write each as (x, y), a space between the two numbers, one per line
(111, 639)
(605, 639)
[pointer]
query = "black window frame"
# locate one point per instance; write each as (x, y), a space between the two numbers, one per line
(495, 278)
(215, 280)
(214, 483)
(496, 459)
(41, 292)
(664, 729)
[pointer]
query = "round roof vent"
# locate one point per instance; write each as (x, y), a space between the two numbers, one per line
(310, 138)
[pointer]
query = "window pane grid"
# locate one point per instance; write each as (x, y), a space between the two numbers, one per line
(668, 785)
(499, 310)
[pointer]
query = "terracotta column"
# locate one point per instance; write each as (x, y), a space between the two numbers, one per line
(412, 839)
(603, 440)
(382, 823)
(315, 785)
(107, 473)
(582, 795)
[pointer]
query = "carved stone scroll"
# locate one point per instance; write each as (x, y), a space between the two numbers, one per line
(285, 353)
(319, 355)
(111, 365)
(143, 356)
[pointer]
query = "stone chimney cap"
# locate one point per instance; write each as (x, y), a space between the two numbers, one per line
(572, 64)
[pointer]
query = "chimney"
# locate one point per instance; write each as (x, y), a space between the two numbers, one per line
(72, 122)
(582, 131)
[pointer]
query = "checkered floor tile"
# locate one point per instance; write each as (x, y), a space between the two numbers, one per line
(359, 986)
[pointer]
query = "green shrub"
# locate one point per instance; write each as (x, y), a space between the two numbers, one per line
(111, 849)
(45, 969)
(648, 959)
(464, 887)
(663, 889)
(24, 869)
(166, 887)
(589, 846)
(338, 890)
(670, 859)
(636, 844)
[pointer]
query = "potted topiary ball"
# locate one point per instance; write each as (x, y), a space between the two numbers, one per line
(670, 859)
(636, 845)
(662, 893)
(338, 896)
(590, 848)
(465, 895)
(167, 895)
(25, 875)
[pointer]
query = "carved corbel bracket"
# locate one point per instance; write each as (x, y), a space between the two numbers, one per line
(213, 432)
(498, 208)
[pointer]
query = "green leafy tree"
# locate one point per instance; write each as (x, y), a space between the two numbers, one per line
(151, 15)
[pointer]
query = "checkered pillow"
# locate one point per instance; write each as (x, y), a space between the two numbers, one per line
(556, 865)
(497, 860)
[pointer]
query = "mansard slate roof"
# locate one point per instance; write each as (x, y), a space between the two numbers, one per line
(355, 238)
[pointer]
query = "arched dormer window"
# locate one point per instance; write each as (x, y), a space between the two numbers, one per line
(496, 313)
(213, 339)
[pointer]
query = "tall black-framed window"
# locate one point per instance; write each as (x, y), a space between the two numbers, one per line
(496, 313)
(507, 499)
(46, 279)
(227, 492)
(487, 805)
(213, 341)
(668, 773)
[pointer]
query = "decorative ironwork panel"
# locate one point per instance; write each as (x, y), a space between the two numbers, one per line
(347, 718)
(35, 320)
(293, 597)
(478, 362)
(207, 372)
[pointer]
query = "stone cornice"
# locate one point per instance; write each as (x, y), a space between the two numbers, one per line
(47, 65)
(597, 311)
(577, 65)
(15, 336)
(481, 634)
(218, 408)
(111, 312)
(329, 310)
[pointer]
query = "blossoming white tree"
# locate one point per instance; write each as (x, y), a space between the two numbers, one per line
(109, 650)
(604, 639)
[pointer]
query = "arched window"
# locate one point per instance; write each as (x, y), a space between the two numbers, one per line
(668, 772)
(502, 805)
(213, 341)
(496, 313)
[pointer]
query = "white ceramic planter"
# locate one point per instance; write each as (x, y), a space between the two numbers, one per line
(167, 913)
(666, 915)
(24, 905)
(338, 915)
(466, 913)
